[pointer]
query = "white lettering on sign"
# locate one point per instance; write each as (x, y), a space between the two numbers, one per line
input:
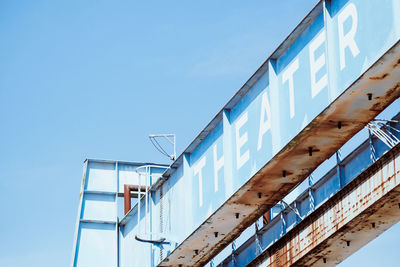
(197, 170)
(347, 40)
(317, 64)
(241, 159)
(218, 164)
(288, 76)
(265, 124)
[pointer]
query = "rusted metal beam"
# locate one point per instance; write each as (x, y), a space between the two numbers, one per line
(353, 109)
(361, 211)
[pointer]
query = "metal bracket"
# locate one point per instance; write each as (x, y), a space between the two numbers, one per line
(158, 241)
(171, 138)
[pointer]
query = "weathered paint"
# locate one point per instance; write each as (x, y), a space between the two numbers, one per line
(367, 207)
(352, 108)
(326, 181)
(285, 119)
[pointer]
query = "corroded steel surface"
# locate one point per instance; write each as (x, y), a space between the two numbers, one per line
(368, 206)
(353, 109)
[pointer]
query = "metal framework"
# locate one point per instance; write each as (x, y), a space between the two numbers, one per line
(158, 146)
(341, 177)
(282, 129)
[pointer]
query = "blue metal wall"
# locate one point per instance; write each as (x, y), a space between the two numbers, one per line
(332, 48)
(337, 42)
(96, 241)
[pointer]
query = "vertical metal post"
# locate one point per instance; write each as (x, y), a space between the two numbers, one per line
(161, 218)
(283, 229)
(310, 194)
(371, 146)
(116, 210)
(127, 199)
(339, 169)
(233, 254)
(78, 217)
(298, 218)
(258, 243)
(146, 198)
(139, 196)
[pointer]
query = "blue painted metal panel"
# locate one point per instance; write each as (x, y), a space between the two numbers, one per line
(97, 234)
(329, 50)
(359, 32)
(99, 207)
(97, 245)
(299, 82)
(97, 223)
(356, 161)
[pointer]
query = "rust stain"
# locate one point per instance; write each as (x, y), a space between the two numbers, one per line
(392, 90)
(350, 108)
(327, 234)
(397, 64)
(383, 76)
(389, 93)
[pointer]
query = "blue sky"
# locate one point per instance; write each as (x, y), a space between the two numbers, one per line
(91, 79)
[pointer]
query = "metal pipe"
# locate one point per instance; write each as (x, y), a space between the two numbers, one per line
(146, 199)
(128, 188)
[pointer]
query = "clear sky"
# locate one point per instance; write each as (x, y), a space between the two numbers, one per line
(91, 79)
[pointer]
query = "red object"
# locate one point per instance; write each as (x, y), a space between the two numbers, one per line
(266, 218)
(127, 195)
